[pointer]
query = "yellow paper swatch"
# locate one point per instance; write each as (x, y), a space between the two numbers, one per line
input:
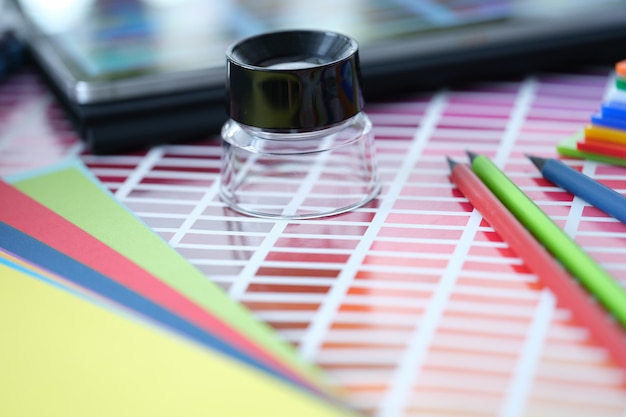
(64, 356)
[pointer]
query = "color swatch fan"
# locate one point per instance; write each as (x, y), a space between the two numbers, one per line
(95, 323)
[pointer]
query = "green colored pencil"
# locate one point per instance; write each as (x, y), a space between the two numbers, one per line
(604, 288)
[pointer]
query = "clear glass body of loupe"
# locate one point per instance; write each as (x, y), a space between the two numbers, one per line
(299, 175)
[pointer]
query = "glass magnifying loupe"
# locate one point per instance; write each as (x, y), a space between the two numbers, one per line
(297, 144)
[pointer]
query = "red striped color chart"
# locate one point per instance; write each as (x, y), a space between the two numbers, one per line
(412, 303)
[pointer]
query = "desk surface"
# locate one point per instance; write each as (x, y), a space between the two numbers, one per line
(412, 303)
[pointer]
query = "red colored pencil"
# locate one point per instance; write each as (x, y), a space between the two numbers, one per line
(571, 295)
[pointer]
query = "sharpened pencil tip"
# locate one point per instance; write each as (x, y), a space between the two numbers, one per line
(471, 155)
(538, 162)
(451, 162)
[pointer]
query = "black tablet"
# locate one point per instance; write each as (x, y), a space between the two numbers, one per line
(110, 58)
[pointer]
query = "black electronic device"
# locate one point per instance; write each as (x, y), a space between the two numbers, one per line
(141, 72)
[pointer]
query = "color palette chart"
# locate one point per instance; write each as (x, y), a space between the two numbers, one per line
(412, 304)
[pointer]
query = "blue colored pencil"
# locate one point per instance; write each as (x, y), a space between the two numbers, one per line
(583, 186)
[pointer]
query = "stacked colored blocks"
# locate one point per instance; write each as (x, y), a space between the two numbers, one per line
(620, 70)
(606, 134)
(604, 138)
(604, 141)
